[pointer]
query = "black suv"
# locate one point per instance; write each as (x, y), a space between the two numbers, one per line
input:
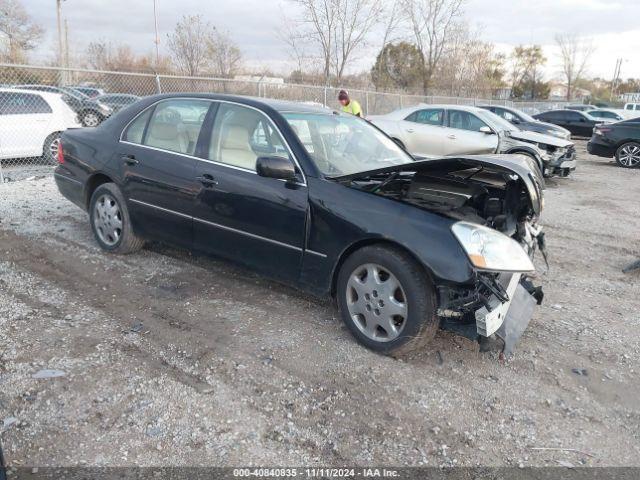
(620, 140)
(90, 112)
(578, 123)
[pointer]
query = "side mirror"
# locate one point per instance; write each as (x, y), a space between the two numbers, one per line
(515, 120)
(582, 119)
(276, 167)
(486, 130)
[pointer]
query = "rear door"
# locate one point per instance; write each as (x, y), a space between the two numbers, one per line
(238, 214)
(158, 156)
(463, 135)
(423, 131)
(25, 123)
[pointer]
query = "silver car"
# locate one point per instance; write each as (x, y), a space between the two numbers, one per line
(444, 130)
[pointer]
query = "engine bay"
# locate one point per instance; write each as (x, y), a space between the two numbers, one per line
(479, 195)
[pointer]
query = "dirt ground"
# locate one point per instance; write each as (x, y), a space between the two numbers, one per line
(167, 358)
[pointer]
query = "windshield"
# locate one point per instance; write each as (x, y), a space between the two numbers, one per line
(344, 144)
(526, 117)
(496, 121)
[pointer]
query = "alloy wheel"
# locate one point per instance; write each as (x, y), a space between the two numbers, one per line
(91, 119)
(53, 148)
(376, 302)
(629, 155)
(107, 219)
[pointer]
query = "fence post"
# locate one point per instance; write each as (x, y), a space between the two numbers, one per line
(158, 87)
(325, 95)
(366, 102)
(1, 175)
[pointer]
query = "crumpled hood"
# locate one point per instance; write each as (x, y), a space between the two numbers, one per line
(520, 165)
(539, 138)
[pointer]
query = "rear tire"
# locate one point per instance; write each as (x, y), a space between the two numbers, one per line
(628, 155)
(50, 148)
(110, 221)
(386, 300)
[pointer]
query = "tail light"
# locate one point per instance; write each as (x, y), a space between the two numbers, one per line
(601, 130)
(60, 153)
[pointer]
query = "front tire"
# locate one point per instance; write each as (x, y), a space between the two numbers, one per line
(386, 300)
(110, 221)
(628, 155)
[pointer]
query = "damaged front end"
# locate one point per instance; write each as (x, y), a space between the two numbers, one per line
(496, 202)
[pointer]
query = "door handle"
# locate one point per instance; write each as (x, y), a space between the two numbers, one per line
(410, 130)
(130, 160)
(452, 137)
(207, 180)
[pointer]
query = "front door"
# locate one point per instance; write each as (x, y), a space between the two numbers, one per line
(254, 220)
(463, 135)
(157, 158)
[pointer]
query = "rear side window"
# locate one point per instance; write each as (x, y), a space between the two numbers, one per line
(22, 104)
(573, 116)
(432, 116)
(175, 125)
(465, 121)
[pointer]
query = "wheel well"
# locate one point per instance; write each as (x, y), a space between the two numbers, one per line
(94, 182)
(367, 243)
(628, 140)
(529, 153)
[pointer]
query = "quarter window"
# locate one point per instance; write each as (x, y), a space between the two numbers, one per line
(22, 104)
(135, 131)
(465, 121)
(241, 135)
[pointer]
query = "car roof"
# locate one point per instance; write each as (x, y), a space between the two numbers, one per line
(281, 106)
(32, 92)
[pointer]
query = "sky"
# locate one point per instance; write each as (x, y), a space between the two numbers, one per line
(255, 25)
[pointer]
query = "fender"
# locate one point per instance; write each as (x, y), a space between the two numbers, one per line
(528, 150)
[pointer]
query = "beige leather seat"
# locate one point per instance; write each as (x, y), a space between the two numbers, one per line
(235, 149)
(168, 136)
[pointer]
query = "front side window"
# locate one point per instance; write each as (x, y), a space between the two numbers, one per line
(465, 121)
(22, 104)
(241, 135)
(175, 125)
(344, 144)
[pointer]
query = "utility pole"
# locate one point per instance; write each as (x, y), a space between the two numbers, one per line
(616, 78)
(58, 9)
(66, 43)
(157, 42)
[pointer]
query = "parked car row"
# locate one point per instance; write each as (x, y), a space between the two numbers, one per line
(446, 130)
(620, 140)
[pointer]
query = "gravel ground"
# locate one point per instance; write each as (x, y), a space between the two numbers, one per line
(166, 358)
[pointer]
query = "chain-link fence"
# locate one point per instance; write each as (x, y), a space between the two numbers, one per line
(37, 103)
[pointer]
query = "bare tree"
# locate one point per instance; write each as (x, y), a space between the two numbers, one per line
(189, 42)
(336, 29)
(20, 32)
(224, 54)
(431, 22)
(575, 53)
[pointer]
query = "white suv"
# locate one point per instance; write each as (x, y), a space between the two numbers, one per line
(31, 123)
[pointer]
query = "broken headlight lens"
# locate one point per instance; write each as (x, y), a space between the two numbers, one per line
(491, 250)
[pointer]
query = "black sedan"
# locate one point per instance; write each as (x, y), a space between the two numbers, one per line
(578, 123)
(620, 140)
(323, 201)
(90, 112)
(117, 101)
(526, 122)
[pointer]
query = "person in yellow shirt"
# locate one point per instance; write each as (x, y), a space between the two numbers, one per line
(348, 105)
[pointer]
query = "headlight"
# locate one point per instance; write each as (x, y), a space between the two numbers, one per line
(489, 249)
